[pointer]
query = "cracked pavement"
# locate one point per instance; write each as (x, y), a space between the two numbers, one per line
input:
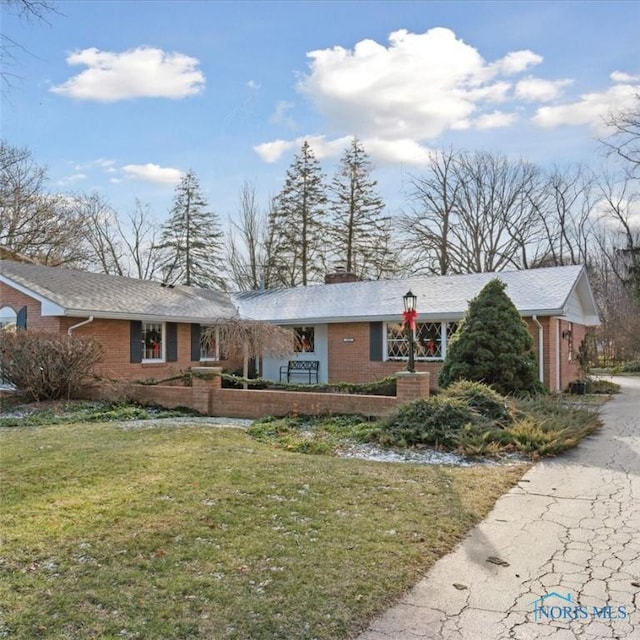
(570, 533)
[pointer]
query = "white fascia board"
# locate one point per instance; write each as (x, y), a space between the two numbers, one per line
(47, 307)
(425, 317)
(121, 315)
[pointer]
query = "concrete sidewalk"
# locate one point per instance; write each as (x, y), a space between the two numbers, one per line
(566, 541)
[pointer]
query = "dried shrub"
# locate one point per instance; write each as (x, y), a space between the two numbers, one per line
(47, 366)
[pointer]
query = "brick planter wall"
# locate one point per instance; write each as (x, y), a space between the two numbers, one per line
(209, 398)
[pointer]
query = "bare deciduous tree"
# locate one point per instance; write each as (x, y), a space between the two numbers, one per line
(625, 139)
(33, 223)
(247, 243)
(563, 209)
(30, 11)
(246, 339)
(472, 212)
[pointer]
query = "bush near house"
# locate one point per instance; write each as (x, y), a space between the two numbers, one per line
(475, 420)
(493, 345)
(468, 417)
(47, 366)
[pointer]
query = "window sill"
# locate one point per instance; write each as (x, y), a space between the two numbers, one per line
(153, 362)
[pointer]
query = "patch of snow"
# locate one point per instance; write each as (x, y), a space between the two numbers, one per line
(187, 421)
(426, 456)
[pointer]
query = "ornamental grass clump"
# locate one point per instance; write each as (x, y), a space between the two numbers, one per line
(483, 399)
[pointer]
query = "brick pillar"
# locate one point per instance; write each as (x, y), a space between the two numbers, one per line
(205, 383)
(412, 386)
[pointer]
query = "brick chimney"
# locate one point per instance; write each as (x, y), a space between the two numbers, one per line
(339, 276)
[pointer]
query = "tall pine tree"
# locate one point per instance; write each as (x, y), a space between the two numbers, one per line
(192, 239)
(360, 230)
(297, 224)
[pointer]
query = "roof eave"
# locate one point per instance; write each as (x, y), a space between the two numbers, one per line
(144, 317)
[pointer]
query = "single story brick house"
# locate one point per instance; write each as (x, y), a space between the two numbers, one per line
(352, 329)
(148, 330)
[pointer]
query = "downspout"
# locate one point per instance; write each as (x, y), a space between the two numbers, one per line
(75, 326)
(540, 349)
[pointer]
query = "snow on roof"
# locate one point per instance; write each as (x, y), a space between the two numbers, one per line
(535, 291)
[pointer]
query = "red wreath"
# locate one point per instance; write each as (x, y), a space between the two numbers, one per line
(410, 319)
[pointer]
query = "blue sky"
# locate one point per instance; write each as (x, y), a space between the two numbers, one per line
(123, 96)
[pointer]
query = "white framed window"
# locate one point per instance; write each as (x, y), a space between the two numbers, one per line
(209, 343)
(153, 342)
(430, 340)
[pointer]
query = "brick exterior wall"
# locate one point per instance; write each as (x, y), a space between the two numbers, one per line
(113, 335)
(566, 364)
(351, 362)
(10, 297)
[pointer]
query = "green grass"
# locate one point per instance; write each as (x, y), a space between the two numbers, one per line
(194, 532)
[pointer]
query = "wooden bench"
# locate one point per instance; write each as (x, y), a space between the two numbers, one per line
(306, 368)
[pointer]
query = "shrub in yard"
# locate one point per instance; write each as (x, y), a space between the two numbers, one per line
(631, 367)
(438, 421)
(602, 386)
(492, 345)
(482, 399)
(47, 366)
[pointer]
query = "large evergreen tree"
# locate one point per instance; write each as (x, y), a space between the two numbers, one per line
(492, 345)
(298, 224)
(360, 230)
(192, 239)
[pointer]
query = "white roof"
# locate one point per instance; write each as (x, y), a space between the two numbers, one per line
(542, 292)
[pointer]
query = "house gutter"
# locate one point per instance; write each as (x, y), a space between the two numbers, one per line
(75, 326)
(540, 349)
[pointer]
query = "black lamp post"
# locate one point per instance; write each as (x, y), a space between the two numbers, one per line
(409, 300)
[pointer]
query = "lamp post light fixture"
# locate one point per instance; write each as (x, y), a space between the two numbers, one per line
(410, 315)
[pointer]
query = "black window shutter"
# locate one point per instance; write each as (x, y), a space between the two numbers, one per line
(172, 341)
(21, 318)
(195, 343)
(375, 341)
(135, 341)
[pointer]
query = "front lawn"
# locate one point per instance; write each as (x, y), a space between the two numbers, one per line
(160, 532)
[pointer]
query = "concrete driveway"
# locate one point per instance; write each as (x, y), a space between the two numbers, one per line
(558, 557)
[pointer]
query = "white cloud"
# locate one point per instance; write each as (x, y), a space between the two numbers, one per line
(272, 151)
(405, 94)
(518, 61)
(144, 72)
(540, 90)
(153, 173)
(592, 109)
(252, 84)
(323, 148)
(397, 151)
(621, 76)
(415, 88)
(281, 114)
(76, 177)
(495, 120)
